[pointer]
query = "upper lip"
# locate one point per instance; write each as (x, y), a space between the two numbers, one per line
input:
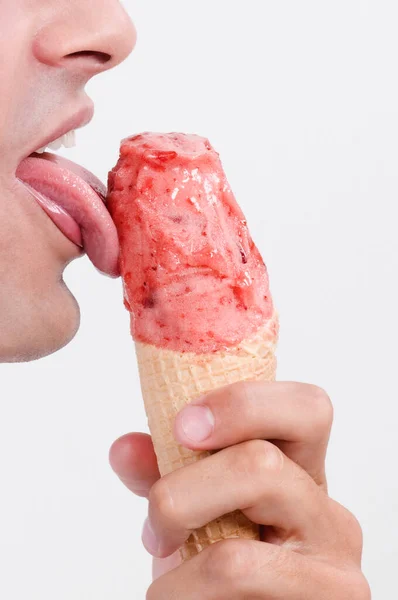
(77, 120)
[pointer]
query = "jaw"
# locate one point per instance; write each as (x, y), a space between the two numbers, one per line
(33, 329)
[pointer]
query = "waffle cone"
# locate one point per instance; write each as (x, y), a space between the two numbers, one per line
(170, 380)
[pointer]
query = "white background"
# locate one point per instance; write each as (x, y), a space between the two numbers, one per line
(301, 100)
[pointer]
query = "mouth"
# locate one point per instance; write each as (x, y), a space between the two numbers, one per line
(72, 197)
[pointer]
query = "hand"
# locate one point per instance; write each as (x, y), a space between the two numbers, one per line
(274, 439)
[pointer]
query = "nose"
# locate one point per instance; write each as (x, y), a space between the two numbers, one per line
(85, 36)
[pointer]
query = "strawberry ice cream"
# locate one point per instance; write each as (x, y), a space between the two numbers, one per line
(193, 279)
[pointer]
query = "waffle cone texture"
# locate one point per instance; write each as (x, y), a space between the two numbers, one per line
(170, 380)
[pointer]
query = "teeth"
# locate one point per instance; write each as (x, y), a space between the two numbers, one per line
(68, 140)
(56, 144)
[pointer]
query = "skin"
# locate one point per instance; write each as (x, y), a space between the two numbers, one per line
(272, 438)
(311, 546)
(39, 79)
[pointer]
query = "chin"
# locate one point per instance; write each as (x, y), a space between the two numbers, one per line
(45, 328)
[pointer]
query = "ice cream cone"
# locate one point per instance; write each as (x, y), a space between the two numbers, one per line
(170, 380)
(196, 286)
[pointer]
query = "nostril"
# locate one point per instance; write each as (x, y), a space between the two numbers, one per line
(101, 57)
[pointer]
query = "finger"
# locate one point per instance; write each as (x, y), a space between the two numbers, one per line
(254, 477)
(133, 459)
(238, 569)
(161, 566)
(297, 416)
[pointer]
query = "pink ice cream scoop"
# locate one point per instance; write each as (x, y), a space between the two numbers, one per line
(193, 279)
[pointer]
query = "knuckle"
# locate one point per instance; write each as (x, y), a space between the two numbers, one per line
(239, 393)
(228, 562)
(157, 592)
(358, 587)
(258, 456)
(161, 501)
(321, 410)
(351, 530)
(152, 593)
(350, 523)
(231, 564)
(365, 591)
(354, 529)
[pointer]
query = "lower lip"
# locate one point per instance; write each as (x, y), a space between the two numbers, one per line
(59, 216)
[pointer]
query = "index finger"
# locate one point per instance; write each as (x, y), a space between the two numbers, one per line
(295, 416)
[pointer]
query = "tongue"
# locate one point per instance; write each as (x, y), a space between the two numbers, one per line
(70, 194)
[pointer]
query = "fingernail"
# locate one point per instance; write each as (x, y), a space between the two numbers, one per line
(149, 539)
(197, 423)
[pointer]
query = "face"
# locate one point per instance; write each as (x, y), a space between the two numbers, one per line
(51, 211)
